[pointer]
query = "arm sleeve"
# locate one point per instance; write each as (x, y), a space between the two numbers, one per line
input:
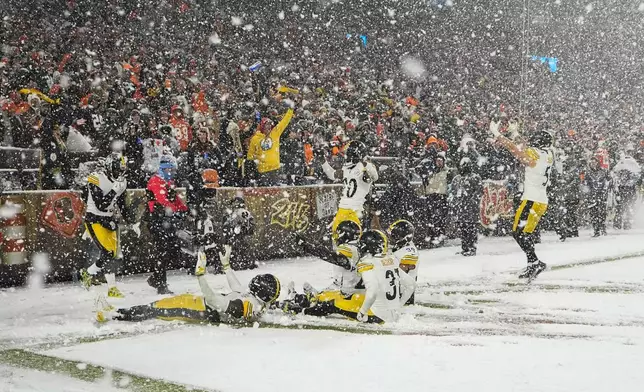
(233, 283)
(127, 214)
(102, 200)
(216, 301)
(371, 170)
(160, 193)
(528, 157)
(371, 286)
(179, 204)
(328, 171)
(252, 147)
(327, 255)
(407, 287)
(281, 126)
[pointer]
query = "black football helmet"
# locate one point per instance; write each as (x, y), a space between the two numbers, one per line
(347, 231)
(540, 139)
(373, 242)
(356, 152)
(401, 233)
(115, 166)
(265, 287)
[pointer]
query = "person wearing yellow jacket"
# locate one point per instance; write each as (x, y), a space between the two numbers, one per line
(264, 148)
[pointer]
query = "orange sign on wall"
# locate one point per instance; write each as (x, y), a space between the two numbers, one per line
(63, 213)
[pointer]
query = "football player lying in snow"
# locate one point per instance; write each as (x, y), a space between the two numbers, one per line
(382, 288)
(238, 305)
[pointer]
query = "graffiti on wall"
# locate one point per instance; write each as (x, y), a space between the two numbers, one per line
(495, 203)
(292, 215)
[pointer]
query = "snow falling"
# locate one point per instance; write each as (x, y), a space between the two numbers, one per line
(195, 191)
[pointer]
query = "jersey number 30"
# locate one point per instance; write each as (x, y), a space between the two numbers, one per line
(393, 276)
(350, 187)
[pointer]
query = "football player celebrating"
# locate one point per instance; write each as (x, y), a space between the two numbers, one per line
(105, 193)
(238, 305)
(346, 281)
(401, 234)
(358, 175)
(386, 288)
(538, 159)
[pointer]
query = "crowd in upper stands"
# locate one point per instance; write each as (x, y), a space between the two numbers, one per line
(264, 92)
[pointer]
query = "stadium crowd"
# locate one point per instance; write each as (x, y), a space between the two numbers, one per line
(259, 100)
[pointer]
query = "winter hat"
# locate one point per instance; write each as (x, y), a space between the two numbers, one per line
(167, 162)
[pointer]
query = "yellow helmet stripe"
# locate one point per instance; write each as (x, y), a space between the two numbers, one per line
(396, 222)
(277, 292)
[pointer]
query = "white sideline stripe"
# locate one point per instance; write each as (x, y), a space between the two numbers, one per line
(14, 258)
(14, 232)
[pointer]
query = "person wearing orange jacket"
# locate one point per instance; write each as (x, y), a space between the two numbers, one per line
(264, 148)
(165, 211)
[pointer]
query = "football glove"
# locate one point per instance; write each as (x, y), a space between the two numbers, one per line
(225, 257)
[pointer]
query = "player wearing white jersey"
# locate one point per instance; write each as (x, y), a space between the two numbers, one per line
(358, 176)
(387, 287)
(346, 280)
(401, 235)
(105, 194)
(538, 159)
(381, 292)
(238, 305)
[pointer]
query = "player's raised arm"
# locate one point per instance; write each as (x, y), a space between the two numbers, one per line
(331, 257)
(371, 171)
(212, 299)
(329, 171)
(524, 156)
(233, 282)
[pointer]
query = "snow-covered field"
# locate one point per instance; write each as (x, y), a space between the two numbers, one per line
(578, 327)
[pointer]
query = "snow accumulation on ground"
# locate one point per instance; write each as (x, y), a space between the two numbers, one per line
(475, 327)
(26, 380)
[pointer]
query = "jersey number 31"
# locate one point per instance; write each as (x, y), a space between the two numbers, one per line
(393, 276)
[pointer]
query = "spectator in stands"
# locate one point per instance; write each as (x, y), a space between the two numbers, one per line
(203, 154)
(183, 130)
(293, 156)
(264, 149)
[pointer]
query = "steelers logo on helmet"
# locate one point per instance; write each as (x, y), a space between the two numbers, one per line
(265, 287)
(115, 165)
(541, 139)
(356, 152)
(347, 231)
(373, 242)
(266, 143)
(401, 233)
